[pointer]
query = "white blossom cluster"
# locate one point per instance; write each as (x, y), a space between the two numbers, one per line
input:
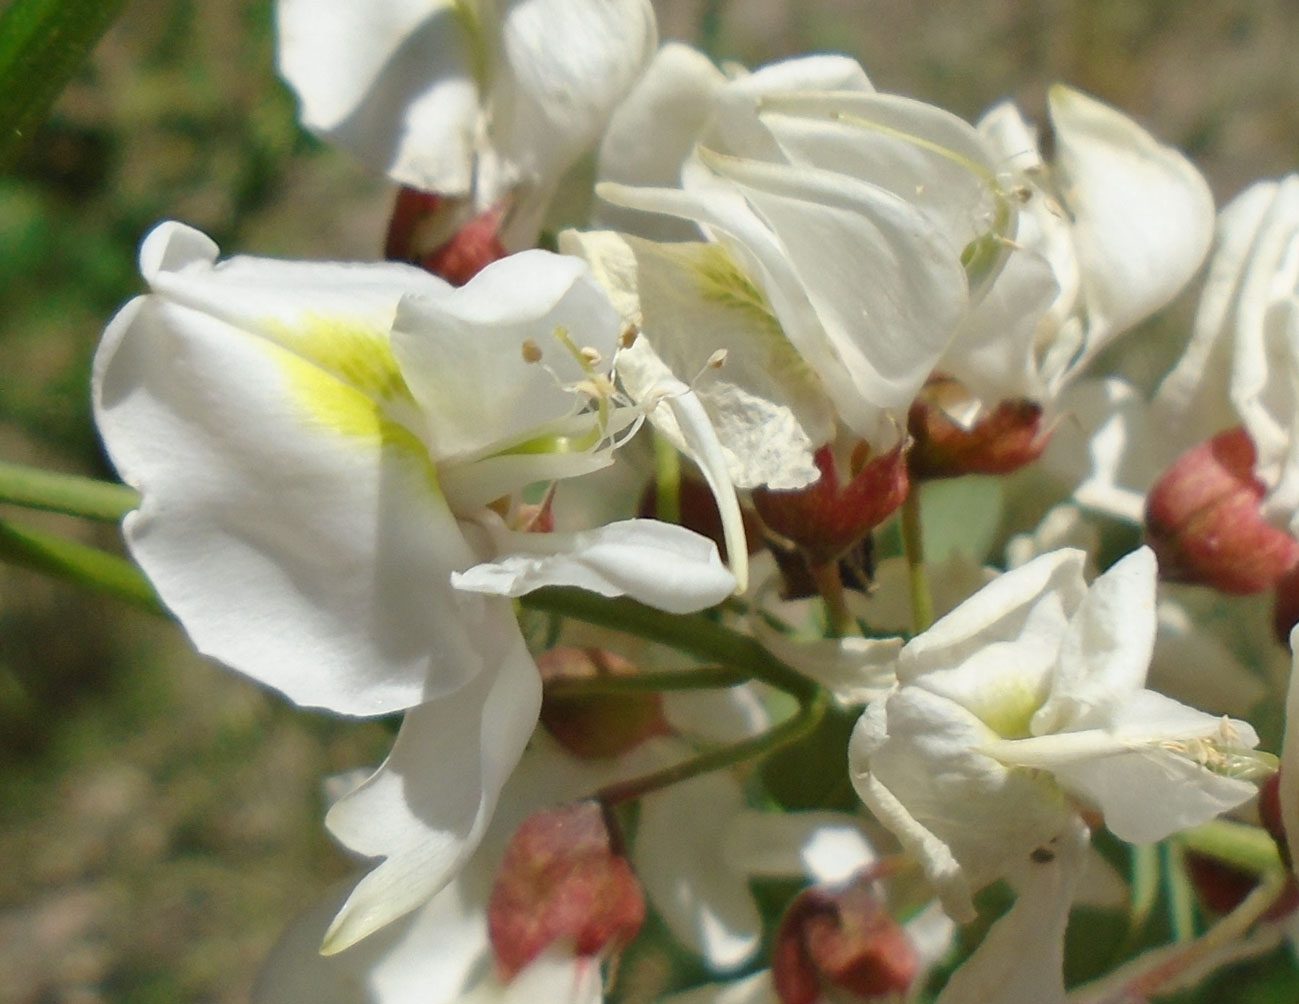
(351, 474)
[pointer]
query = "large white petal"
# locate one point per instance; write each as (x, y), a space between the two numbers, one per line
(426, 809)
(289, 518)
(394, 83)
(661, 564)
(1142, 214)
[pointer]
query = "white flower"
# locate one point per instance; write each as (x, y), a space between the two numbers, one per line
(1026, 701)
(317, 447)
(487, 101)
(846, 228)
(440, 953)
(1109, 231)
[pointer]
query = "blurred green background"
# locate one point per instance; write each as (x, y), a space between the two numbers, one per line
(159, 817)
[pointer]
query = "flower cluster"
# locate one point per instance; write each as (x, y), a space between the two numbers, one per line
(492, 488)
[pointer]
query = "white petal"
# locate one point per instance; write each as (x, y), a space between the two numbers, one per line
(703, 899)
(290, 518)
(651, 133)
(430, 957)
(426, 809)
(463, 354)
(826, 847)
(1021, 958)
(564, 66)
(689, 302)
(916, 150)
(663, 565)
(1106, 653)
(1142, 214)
(393, 83)
(886, 334)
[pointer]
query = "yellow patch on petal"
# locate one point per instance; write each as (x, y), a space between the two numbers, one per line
(345, 378)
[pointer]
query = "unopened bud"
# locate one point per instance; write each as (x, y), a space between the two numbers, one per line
(826, 519)
(1007, 438)
(844, 940)
(562, 879)
(440, 235)
(593, 725)
(1205, 525)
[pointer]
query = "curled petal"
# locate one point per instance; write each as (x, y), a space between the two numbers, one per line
(660, 564)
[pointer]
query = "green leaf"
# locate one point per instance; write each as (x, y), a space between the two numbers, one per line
(36, 488)
(78, 563)
(42, 45)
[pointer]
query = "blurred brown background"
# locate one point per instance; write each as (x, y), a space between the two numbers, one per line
(159, 817)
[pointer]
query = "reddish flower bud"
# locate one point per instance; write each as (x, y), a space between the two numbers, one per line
(562, 879)
(595, 725)
(699, 512)
(439, 235)
(827, 518)
(1007, 438)
(843, 939)
(1204, 523)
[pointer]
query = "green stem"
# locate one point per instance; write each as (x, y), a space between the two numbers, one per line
(829, 583)
(792, 729)
(78, 563)
(90, 498)
(667, 481)
(1181, 897)
(704, 678)
(1249, 848)
(913, 545)
(1145, 889)
(692, 634)
(42, 45)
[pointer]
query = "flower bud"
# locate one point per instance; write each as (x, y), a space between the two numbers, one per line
(440, 236)
(1204, 523)
(562, 879)
(1007, 438)
(843, 939)
(595, 725)
(827, 518)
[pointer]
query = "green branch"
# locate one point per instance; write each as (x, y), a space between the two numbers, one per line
(695, 635)
(42, 45)
(791, 730)
(90, 498)
(704, 678)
